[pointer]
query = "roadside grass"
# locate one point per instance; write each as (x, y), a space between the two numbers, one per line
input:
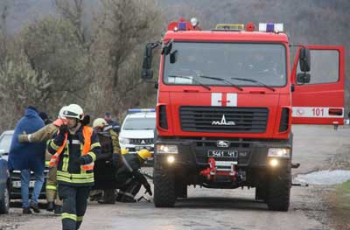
(339, 204)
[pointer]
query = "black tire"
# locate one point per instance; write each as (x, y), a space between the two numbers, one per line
(181, 189)
(5, 201)
(279, 192)
(261, 192)
(164, 187)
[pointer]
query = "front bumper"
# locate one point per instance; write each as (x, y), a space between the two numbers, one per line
(193, 154)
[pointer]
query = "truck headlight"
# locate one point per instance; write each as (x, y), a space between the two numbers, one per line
(167, 149)
(170, 159)
(124, 141)
(279, 152)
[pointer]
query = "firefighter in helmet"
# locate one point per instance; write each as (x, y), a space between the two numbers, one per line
(74, 149)
(104, 171)
(129, 176)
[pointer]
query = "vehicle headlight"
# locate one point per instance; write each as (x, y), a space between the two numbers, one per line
(124, 141)
(171, 159)
(167, 149)
(279, 152)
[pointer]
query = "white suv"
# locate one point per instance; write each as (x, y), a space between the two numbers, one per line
(137, 130)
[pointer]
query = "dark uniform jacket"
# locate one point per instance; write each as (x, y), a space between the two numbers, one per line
(68, 171)
(104, 170)
(129, 169)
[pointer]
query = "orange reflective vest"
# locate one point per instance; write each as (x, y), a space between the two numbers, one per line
(87, 133)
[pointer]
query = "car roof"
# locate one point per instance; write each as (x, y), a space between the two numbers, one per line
(142, 115)
(7, 132)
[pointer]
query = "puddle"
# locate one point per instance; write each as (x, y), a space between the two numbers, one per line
(324, 177)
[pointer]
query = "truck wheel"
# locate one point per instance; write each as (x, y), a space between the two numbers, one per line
(164, 187)
(260, 192)
(5, 201)
(279, 192)
(181, 189)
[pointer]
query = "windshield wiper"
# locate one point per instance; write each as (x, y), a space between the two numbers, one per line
(191, 78)
(254, 81)
(223, 80)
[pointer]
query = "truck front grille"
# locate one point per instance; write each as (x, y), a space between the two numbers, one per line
(223, 119)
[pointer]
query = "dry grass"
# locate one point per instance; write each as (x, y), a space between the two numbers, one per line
(339, 206)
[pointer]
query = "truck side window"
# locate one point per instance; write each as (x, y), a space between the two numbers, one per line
(324, 66)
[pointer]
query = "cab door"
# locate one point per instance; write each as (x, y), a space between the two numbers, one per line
(321, 100)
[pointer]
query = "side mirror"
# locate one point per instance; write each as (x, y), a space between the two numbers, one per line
(305, 59)
(147, 72)
(173, 57)
(303, 78)
(147, 58)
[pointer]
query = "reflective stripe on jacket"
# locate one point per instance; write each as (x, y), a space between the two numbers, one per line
(84, 143)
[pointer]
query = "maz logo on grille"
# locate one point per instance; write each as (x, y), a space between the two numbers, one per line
(222, 144)
(223, 121)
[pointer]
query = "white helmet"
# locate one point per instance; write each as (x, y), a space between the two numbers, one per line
(60, 114)
(74, 111)
(99, 122)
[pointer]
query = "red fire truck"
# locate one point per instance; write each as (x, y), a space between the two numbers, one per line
(227, 99)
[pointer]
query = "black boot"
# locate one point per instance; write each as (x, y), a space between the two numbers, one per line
(26, 211)
(34, 206)
(50, 206)
(58, 209)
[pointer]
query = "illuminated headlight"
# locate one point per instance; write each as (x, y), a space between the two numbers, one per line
(170, 159)
(167, 149)
(124, 141)
(279, 152)
(273, 162)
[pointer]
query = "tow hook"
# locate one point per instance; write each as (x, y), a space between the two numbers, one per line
(295, 166)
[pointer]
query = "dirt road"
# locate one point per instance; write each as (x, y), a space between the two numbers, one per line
(218, 209)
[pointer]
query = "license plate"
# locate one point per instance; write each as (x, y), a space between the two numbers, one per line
(223, 153)
(17, 184)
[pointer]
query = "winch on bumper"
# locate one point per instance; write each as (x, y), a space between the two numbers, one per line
(235, 163)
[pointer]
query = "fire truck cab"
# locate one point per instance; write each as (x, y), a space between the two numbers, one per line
(227, 98)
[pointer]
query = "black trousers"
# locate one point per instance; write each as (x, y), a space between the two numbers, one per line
(128, 191)
(74, 205)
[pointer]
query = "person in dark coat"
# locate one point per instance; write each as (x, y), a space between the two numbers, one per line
(28, 157)
(45, 118)
(115, 125)
(104, 171)
(128, 175)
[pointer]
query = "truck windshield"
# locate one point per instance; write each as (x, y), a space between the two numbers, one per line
(264, 63)
(139, 124)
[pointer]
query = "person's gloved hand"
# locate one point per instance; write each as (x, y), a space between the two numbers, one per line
(148, 189)
(79, 161)
(63, 129)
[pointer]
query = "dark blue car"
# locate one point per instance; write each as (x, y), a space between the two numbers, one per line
(4, 186)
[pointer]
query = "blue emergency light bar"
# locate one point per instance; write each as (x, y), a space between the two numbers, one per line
(271, 27)
(141, 110)
(182, 25)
